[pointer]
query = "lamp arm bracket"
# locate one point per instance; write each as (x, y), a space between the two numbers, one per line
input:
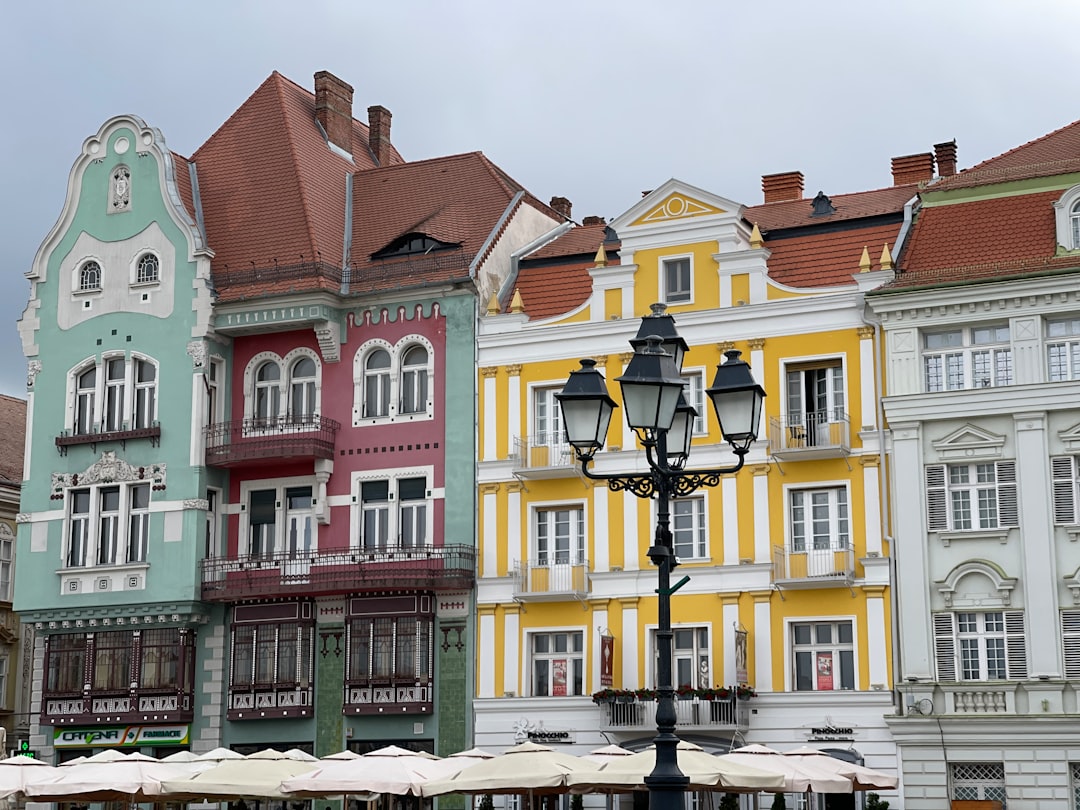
(664, 483)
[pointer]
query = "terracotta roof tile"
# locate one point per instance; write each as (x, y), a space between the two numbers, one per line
(183, 183)
(827, 259)
(580, 241)
(13, 431)
(548, 290)
(797, 213)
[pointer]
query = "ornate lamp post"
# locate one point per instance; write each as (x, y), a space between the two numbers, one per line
(660, 416)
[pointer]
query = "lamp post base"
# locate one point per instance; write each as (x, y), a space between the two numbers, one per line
(667, 792)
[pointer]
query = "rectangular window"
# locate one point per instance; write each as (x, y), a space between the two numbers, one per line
(160, 664)
(819, 520)
(971, 497)
(78, 527)
(688, 528)
(676, 273)
(823, 655)
(112, 661)
(978, 781)
(271, 655)
(558, 664)
(560, 536)
(299, 521)
(85, 395)
(213, 522)
(547, 418)
(139, 525)
(412, 512)
(1065, 471)
(65, 664)
(815, 401)
(977, 357)
(114, 394)
(7, 549)
(690, 663)
(980, 646)
(694, 391)
(1074, 767)
(262, 522)
(145, 394)
(124, 388)
(385, 649)
(375, 515)
(108, 525)
(214, 375)
(1063, 350)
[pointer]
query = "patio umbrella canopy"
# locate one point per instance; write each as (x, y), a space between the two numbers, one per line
(258, 776)
(607, 753)
(864, 778)
(525, 768)
(391, 770)
(799, 776)
(19, 771)
(627, 773)
(108, 776)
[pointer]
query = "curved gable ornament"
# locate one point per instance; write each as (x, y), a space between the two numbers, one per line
(109, 470)
(678, 206)
(1001, 583)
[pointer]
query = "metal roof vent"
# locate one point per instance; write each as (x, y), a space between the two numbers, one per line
(821, 205)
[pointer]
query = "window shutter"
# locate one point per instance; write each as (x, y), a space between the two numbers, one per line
(1070, 642)
(1061, 470)
(1008, 508)
(937, 508)
(1016, 667)
(945, 646)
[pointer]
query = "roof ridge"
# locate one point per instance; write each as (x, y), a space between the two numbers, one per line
(1004, 173)
(235, 113)
(1026, 145)
(808, 200)
(294, 152)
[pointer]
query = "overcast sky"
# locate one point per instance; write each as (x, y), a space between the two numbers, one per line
(594, 101)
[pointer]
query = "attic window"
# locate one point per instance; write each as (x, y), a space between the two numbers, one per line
(822, 205)
(412, 244)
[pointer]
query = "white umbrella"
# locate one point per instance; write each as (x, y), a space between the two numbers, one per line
(704, 770)
(219, 754)
(864, 778)
(258, 776)
(391, 770)
(525, 768)
(18, 771)
(799, 776)
(107, 776)
(607, 753)
(342, 755)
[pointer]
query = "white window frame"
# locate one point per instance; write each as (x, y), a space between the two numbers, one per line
(577, 551)
(77, 285)
(694, 392)
(545, 422)
(392, 381)
(393, 511)
(662, 265)
(977, 787)
(102, 417)
(259, 425)
(957, 365)
(1067, 218)
(215, 390)
(1062, 348)
(281, 528)
(421, 404)
(839, 510)
(690, 514)
(7, 560)
(214, 546)
(945, 496)
(815, 647)
(529, 657)
(810, 420)
(948, 653)
(1065, 485)
(135, 279)
(704, 680)
(93, 523)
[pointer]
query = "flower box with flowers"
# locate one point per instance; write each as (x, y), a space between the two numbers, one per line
(610, 695)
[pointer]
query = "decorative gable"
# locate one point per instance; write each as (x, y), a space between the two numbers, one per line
(677, 206)
(969, 443)
(1070, 438)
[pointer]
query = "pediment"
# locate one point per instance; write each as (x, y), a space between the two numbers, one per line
(675, 201)
(971, 442)
(977, 584)
(1070, 437)
(678, 206)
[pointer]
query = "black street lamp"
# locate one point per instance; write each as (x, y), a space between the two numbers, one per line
(652, 393)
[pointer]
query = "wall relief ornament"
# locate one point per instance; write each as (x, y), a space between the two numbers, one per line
(120, 189)
(196, 350)
(108, 470)
(33, 368)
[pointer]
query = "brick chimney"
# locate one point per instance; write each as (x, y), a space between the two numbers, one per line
(378, 132)
(562, 206)
(783, 186)
(333, 109)
(594, 221)
(945, 155)
(912, 169)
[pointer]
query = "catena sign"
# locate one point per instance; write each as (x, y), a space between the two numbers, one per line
(120, 736)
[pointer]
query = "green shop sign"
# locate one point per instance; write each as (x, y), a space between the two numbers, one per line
(120, 736)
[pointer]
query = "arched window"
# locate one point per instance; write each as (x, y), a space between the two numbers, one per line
(146, 270)
(90, 276)
(267, 392)
(1074, 224)
(85, 390)
(145, 393)
(414, 380)
(377, 384)
(302, 390)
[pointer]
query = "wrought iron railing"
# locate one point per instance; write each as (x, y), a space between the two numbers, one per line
(543, 451)
(813, 564)
(810, 433)
(551, 578)
(697, 714)
(304, 435)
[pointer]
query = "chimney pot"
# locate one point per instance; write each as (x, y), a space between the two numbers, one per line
(782, 187)
(945, 155)
(379, 132)
(562, 206)
(594, 221)
(333, 109)
(912, 168)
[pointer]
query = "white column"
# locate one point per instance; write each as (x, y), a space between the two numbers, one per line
(725, 288)
(601, 529)
(872, 505)
(867, 380)
(512, 681)
(486, 639)
(757, 368)
(728, 493)
(762, 525)
(729, 620)
(763, 663)
(490, 409)
(629, 642)
(1037, 545)
(514, 518)
(876, 633)
(599, 624)
(629, 438)
(198, 419)
(490, 542)
(513, 407)
(631, 541)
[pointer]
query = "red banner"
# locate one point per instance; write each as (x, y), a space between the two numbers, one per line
(607, 660)
(824, 671)
(558, 677)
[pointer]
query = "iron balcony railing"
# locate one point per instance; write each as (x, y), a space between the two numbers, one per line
(814, 434)
(727, 714)
(544, 454)
(280, 437)
(551, 579)
(69, 438)
(285, 573)
(813, 567)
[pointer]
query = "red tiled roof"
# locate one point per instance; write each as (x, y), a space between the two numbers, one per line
(797, 213)
(827, 259)
(997, 229)
(183, 183)
(13, 433)
(579, 241)
(549, 290)
(1055, 153)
